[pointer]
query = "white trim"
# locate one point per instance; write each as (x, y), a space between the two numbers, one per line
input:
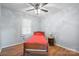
(12, 44)
(67, 48)
(40, 50)
(0, 50)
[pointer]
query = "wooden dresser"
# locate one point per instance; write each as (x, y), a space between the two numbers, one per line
(16, 50)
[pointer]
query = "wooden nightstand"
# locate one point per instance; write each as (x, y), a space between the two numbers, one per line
(51, 41)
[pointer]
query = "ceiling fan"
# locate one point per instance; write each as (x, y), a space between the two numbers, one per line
(38, 6)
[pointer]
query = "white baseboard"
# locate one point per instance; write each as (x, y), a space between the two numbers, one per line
(12, 44)
(0, 50)
(68, 48)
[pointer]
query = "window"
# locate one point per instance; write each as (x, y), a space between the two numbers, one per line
(26, 26)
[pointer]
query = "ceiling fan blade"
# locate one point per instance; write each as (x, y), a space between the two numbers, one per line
(30, 9)
(43, 4)
(32, 4)
(44, 10)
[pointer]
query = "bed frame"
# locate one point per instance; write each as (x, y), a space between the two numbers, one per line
(35, 48)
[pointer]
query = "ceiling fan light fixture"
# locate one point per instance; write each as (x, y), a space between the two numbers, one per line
(38, 7)
(37, 11)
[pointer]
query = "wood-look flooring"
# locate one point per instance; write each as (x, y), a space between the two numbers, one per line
(59, 51)
(16, 50)
(55, 50)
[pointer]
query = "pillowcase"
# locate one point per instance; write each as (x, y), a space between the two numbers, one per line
(38, 33)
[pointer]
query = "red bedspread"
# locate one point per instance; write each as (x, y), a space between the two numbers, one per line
(37, 38)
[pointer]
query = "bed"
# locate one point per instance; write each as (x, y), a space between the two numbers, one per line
(37, 43)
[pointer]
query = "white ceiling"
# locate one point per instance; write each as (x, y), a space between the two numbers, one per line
(51, 7)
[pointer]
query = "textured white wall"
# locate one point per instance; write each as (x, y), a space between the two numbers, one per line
(65, 26)
(35, 24)
(11, 23)
(0, 28)
(10, 28)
